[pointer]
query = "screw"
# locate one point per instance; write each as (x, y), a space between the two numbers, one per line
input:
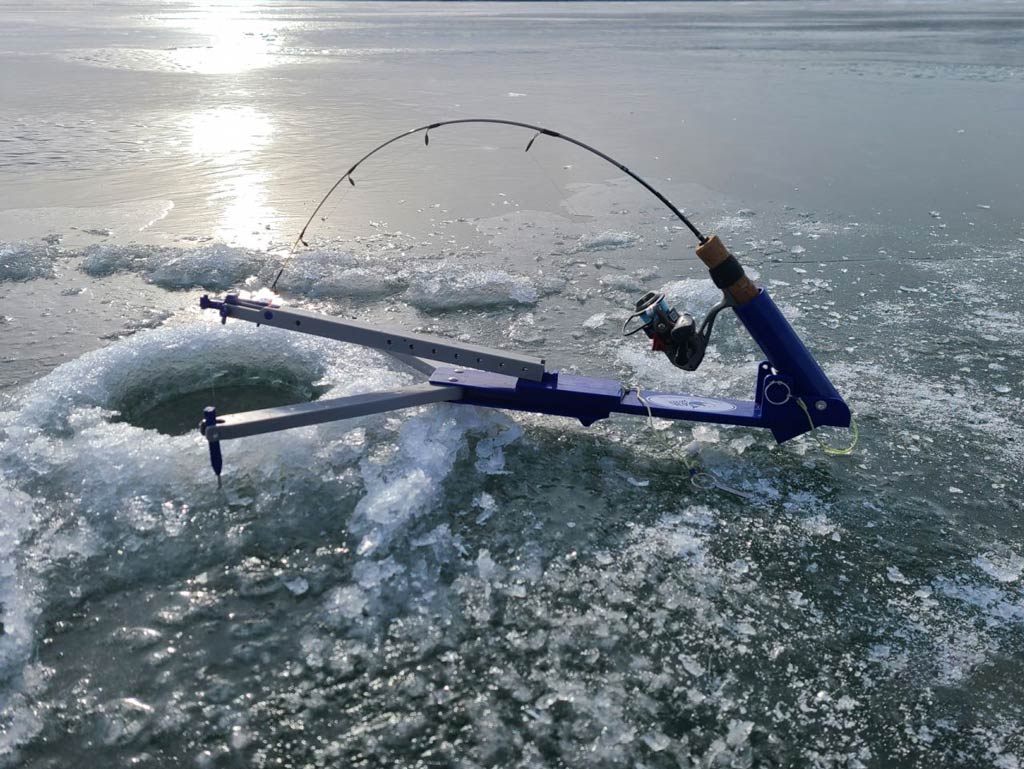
(820, 405)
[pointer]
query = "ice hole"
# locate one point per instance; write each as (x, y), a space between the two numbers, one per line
(178, 411)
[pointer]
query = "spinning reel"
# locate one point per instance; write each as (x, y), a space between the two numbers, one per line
(674, 333)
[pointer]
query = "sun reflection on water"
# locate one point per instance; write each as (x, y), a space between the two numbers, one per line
(237, 40)
(230, 139)
(228, 134)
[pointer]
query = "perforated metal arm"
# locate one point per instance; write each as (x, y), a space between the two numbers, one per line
(417, 345)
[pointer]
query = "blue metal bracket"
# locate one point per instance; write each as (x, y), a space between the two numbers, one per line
(589, 399)
(789, 373)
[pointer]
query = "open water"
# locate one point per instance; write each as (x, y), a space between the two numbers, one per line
(455, 587)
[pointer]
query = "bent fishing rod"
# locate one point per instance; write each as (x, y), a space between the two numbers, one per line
(674, 333)
(538, 131)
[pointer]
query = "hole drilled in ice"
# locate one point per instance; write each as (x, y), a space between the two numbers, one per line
(180, 413)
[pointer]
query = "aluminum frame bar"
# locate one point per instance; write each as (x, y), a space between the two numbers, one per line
(388, 340)
(271, 420)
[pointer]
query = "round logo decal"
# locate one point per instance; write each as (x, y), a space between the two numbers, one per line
(690, 403)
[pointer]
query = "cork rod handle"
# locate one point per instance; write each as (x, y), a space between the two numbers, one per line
(714, 254)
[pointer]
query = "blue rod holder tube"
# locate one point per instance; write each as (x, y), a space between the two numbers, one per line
(787, 354)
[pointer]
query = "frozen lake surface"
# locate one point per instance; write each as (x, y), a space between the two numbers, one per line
(453, 587)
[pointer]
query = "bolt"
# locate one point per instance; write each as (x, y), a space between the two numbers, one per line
(820, 405)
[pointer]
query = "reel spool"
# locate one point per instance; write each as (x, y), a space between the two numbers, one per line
(672, 332)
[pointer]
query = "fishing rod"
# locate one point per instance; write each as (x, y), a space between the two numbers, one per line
(539, 131)
(676, 334)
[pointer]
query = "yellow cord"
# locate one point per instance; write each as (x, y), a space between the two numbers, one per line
(824, 446)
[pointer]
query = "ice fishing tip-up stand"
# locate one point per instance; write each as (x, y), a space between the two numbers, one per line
(792, 394)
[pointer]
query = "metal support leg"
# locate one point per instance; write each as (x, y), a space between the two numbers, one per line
(301, 414)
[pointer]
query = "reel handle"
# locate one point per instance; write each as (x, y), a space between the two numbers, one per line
(726, 271)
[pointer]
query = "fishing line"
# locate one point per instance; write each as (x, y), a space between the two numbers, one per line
(562, 196)
(764, 262)
(538, 131)
(340, 198)
(702, 479)
(334, 206)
